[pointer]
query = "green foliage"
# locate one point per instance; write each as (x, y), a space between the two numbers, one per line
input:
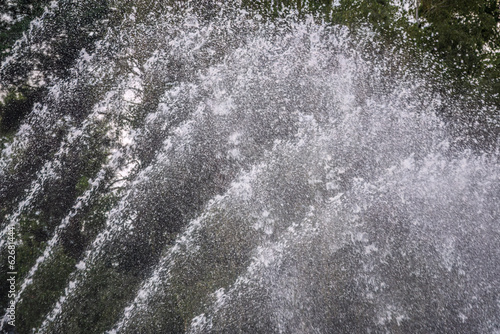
(82, 185)
(23, 10)
(274, 8)
(101, 302)
(32, 235)
(352, 13)
(16, 104)
(4, 140)
(77, 31)
(37, 226)
(52, 276)
(48, 284)
(378, 13)
(459, 31)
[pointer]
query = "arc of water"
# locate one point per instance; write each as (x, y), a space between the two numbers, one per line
(269, 255)
(46, 173)
(162, 271)
(109, 231)
(55, 238)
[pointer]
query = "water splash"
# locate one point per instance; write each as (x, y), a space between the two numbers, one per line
(278, 175)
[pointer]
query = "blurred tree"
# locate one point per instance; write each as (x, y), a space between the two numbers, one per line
(462, 32)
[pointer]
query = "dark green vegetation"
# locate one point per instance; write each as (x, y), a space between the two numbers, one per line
(21, 13)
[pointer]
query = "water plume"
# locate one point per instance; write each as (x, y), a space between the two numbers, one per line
(216, 171)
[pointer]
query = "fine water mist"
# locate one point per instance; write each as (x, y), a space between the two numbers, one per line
(204, 169)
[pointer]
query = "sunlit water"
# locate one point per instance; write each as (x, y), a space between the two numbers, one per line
(266, 177)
